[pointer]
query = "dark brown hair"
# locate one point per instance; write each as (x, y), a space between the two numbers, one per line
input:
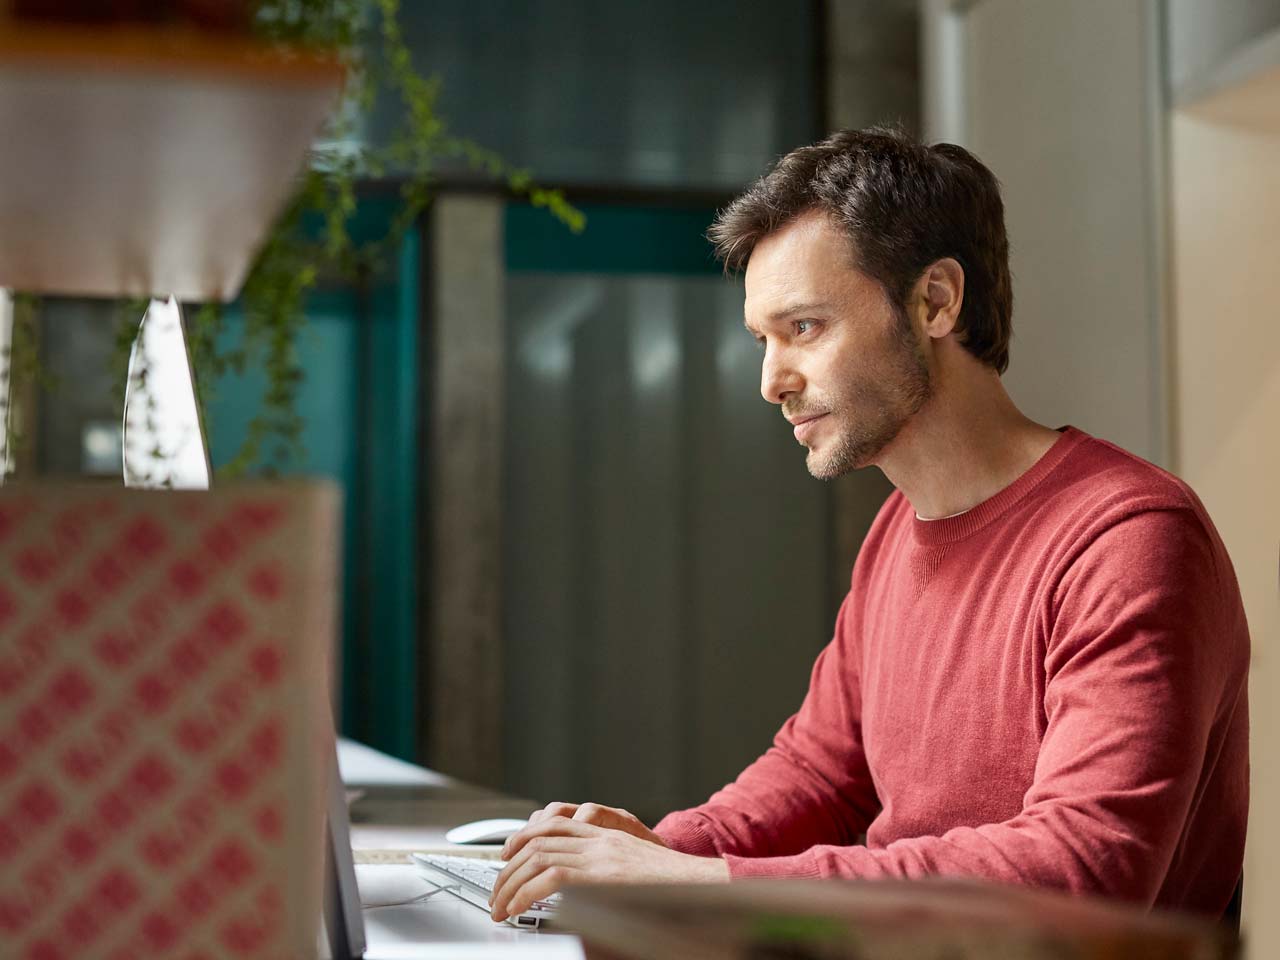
(903, 205)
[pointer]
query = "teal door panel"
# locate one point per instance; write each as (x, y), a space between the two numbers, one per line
(664, 547)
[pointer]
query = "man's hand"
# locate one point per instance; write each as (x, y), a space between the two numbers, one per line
(613, 818)
(555, 850)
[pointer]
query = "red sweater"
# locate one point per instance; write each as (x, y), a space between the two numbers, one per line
(1048, 689)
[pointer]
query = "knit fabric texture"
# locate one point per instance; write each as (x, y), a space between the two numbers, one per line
(1049, 689)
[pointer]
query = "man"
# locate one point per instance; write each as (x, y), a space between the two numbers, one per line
(1039, 673)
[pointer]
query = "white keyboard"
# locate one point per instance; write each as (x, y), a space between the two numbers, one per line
(472, 880)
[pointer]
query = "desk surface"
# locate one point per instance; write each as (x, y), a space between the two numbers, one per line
(405, 807)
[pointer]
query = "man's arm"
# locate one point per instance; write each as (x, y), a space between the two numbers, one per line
(812, 786)
(1145, 680)
(796, 795)
(1143, 670)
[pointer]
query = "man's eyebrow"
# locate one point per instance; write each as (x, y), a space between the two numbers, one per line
(812, 306)
(815, 306)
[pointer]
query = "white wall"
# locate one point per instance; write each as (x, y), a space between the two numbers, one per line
(1145, 251)
(1226, 208)
(1057, 99)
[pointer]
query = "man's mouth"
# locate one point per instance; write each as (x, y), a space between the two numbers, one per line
(804, 426)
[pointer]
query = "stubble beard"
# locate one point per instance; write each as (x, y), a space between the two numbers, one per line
(875, 411)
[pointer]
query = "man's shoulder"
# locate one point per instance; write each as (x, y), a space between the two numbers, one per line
(1101, 484)
(1094, 487)
(1096, 479)
(1109, 509)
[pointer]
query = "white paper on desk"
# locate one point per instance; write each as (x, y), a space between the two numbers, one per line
(556, 947)
(377, 836)
(363, 766)
(392, 884)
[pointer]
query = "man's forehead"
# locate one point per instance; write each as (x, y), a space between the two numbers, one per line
(805, 251)
(812, 231)
(802, 267)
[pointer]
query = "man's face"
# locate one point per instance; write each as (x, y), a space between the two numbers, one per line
(843, 363)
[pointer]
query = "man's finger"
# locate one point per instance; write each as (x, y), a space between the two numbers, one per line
(542, 886)
(556, 808)
(538, 845)
(594, 813)
(550, 826)
(613, 817)
(522, 870)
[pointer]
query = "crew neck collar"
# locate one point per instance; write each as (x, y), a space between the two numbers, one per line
(961, 525)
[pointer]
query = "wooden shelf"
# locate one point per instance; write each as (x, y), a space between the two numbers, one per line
(148, 161)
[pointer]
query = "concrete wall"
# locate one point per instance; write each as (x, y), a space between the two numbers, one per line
(1226, 205)
(6, 377)
(873, 63)
(462, 662)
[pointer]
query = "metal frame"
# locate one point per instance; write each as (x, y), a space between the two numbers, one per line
(1155, 58)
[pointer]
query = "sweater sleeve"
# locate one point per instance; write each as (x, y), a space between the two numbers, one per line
(1139, 661)
(812, 786)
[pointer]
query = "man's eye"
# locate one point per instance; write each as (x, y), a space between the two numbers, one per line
(803, 326)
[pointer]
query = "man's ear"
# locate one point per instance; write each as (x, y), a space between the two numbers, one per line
(941, 291)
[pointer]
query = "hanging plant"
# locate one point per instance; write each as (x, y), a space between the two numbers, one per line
(293, 258)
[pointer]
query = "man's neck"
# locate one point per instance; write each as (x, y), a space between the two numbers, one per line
(963, 447)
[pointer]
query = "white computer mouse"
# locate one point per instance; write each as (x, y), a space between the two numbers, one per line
(485, 831)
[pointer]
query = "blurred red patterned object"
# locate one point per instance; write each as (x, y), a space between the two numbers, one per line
(164, 723)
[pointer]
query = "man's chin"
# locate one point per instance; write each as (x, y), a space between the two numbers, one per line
(835, 460)
(829, 467)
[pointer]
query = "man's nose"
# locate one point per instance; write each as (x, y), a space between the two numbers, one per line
(778, 378)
